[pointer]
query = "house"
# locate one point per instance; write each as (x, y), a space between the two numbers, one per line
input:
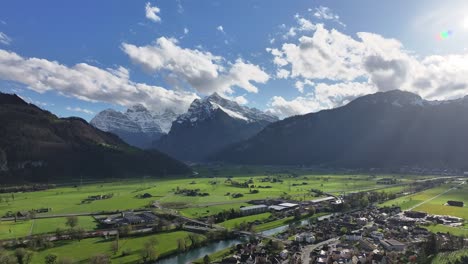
(322, 200)
(386, 181)
(254, 209)
(367, 244)
(305, 237)
(288, 205)
(392, 244)
(354, 236)
(377, 235)
(277, 208)
(455, 203)
(415, 214)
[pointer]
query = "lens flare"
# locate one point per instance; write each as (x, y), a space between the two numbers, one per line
(444, 34)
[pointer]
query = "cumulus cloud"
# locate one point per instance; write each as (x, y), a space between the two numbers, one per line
(199, 69)
(303, 25)
(79, 109)
(323, 12)
(325, 96)
(186, 31)
(241, 100)
(89, 83)
(152, 12)
(5, 39)
(367, 63)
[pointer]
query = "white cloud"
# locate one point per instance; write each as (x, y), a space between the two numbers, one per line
(241, 100)
(152, 12)
(380, 63)
(186, 31)
(79, 109)
(282, 74)
(303, 25)
(89, 83)
(326, 13)
(200, 70)
(325, 96)
(220, 28)
(5, 39)
(301, 84)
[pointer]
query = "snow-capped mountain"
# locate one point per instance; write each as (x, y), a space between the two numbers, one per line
(209, 125)
(205, 108)
(137, 126)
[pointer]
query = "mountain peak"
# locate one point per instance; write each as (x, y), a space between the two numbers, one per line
(137, 108)
(397, 98)
(11, 99)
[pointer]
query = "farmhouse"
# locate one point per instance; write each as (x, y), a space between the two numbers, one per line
(392, 244)
(386, 181)
(288, 205)
(254, 209)
(455, 203)
(322, 200)
(277, 208)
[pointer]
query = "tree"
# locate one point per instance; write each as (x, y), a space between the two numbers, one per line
(23, 256)
(181, 245)
(59, 233)
(100, 259)
(50, 259)
(211, 221)
(77, 233)
(311, 210)
(114, 247)
(343, 230)
(149, 251)
(72, 221)
(206, 259)
(115, 244)
(125, 230)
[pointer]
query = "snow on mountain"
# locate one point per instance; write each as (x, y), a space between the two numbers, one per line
(205, 108)
(144, 118)
(111, 120)
(165, 120)
(137, 126)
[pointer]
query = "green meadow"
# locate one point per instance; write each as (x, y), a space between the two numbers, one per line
(82, 251)
(65, 200)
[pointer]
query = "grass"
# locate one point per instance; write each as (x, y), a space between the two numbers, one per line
(217, 256)
(273, 224)
(11, 229)
(230, 224)
(450, 257)
(437, 205)
(48, 225)
(64, 200)
(83, 250)
(457, 231)
(207, 210)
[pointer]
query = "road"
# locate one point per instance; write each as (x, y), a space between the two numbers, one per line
(308, 249)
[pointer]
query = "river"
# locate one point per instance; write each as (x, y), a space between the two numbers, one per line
(193, 254)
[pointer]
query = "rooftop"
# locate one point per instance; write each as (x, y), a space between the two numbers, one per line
(323, 199)
(288, 205)
(253, 207)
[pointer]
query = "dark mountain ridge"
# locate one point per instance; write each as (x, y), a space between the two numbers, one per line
(383, 130)
(36, 145)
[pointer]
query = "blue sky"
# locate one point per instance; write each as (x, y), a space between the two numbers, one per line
(76, 58)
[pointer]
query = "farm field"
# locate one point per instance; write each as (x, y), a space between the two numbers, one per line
(48, 225)
(229, 224)
(81, 251)
(451, 257)
(436, 205)
(202, 210)
(63, 200)
(24, 228)
(457, 231)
